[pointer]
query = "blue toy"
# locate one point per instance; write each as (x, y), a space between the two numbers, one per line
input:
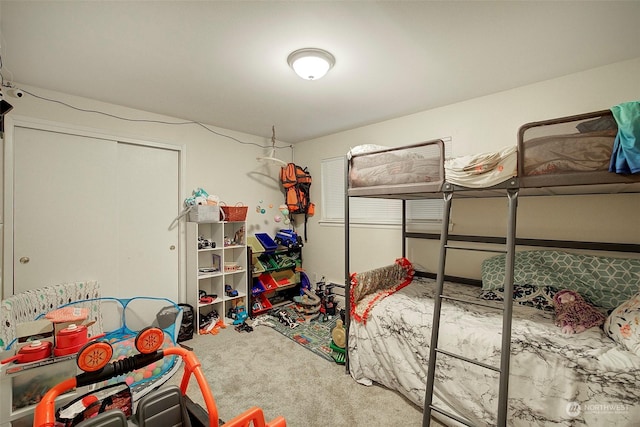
(230, 292)
(241, 315)
(288, 238)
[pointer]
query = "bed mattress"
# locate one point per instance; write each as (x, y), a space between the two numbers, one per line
(556, 379)
(396, 167)
(579, 152)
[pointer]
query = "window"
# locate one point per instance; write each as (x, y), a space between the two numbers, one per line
(370, 210)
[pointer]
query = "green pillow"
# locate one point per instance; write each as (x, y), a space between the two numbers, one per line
(603, 281)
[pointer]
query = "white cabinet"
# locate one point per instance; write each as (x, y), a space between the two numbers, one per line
(216, 270)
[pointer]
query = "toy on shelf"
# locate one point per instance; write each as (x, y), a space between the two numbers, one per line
(238, 238)
(289, 239)
(204, 243)
(204, 298)
(230, 291)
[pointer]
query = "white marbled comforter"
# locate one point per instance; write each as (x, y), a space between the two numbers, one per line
(555, 380)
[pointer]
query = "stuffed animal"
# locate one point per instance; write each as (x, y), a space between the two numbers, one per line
(238, 239)
(574, 314)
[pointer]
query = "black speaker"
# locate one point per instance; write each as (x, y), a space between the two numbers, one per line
(5, 107)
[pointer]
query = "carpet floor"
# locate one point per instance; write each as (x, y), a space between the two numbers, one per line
(263, 368)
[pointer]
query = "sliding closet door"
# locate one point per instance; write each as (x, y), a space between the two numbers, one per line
(148, 197)
(64, 198)
(95, 209)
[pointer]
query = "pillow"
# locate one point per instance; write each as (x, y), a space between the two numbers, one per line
(540, 297)
(372, 286)
(602, 281)
(623, 324)
(364, 148)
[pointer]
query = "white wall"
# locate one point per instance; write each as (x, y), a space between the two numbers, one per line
(218, 164)
(229, 169)
(478, 125)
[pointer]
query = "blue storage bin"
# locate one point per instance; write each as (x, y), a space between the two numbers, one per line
(266, 241)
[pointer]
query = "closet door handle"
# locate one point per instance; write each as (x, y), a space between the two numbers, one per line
(172, 247)
(24, 260)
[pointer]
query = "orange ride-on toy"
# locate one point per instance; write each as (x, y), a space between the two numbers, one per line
(164, 406)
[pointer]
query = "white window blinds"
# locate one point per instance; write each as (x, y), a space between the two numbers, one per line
(369, 210)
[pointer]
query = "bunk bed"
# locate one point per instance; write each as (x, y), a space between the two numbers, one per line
(395, 329)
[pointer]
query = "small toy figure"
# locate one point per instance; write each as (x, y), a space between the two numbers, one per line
(238, 239)
(574, 314)
(284, 317)
(204, 243)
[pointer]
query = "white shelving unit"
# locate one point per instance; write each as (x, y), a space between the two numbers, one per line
(211, 268)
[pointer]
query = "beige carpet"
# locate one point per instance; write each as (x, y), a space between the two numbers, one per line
(263, 368)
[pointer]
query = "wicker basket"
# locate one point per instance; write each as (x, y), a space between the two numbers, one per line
(234, 213)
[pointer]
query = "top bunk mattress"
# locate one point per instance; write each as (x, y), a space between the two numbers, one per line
(416, 169)
(573, 151)
(592, 153)
(421, 171)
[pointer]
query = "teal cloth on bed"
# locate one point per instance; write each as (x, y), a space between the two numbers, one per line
(604, 281)
(625, 158)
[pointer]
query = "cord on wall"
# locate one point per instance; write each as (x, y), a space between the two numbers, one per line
(114, 116)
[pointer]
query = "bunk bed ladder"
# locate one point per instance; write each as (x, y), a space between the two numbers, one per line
(434, 351)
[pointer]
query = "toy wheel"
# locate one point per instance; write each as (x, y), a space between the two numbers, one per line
(94, 356)
(149, 340)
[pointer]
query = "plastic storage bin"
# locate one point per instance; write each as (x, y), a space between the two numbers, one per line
(266, 241)
(261, 304)
(254, 244)
(257, 287)
(268, 282)
(284, 278)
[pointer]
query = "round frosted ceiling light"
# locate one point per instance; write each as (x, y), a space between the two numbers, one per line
(310, 63)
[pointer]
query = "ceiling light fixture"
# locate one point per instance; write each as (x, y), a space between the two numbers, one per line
(311, 63)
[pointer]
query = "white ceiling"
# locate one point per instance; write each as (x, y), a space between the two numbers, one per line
(224, 62)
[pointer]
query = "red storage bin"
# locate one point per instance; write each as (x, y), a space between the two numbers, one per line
(268, 282)
(261, 304)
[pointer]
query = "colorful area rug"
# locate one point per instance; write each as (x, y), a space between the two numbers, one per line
(314, 335)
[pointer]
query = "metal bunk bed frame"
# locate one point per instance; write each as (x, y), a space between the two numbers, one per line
(513, 188)
(512, 191)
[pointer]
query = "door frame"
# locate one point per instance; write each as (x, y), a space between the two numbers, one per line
(11, 122)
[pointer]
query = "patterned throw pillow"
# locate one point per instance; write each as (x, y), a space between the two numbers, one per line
(372, 286)
(540, 297)
(623, 324)
(603, 281)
